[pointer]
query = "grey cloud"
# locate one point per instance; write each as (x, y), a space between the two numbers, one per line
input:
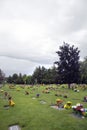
(32, 30)
(33, 59)
(72, 18)
(11, 65)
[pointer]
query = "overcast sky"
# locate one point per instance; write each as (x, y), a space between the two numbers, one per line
(31, 31)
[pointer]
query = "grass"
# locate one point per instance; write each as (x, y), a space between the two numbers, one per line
(30, 114)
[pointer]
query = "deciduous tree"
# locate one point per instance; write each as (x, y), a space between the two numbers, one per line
(68, 64)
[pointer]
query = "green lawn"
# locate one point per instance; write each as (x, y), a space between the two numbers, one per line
(31, 114)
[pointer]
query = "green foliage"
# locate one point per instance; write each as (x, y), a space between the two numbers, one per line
(47, 76)
(68, 64)
(19, 79)
(2, 76)
(83, 71)
(39, 74)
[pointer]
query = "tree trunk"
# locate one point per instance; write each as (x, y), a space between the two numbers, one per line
(68, 85)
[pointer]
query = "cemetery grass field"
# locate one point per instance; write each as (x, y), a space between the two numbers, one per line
(35, 113)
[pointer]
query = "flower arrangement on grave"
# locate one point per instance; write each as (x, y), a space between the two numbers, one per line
(18, 89)
(68, 105)
(5, 94)
(11, 103)
(1, 90)
(85, 99)
(59, 103)
(37, 95)
(46, 90)
(26, 93)
(80, 110)
(84, 112)
(76, 90)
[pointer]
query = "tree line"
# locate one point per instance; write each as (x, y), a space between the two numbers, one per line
(67, 69)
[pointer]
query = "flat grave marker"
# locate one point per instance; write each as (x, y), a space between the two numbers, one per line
(14, 127)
